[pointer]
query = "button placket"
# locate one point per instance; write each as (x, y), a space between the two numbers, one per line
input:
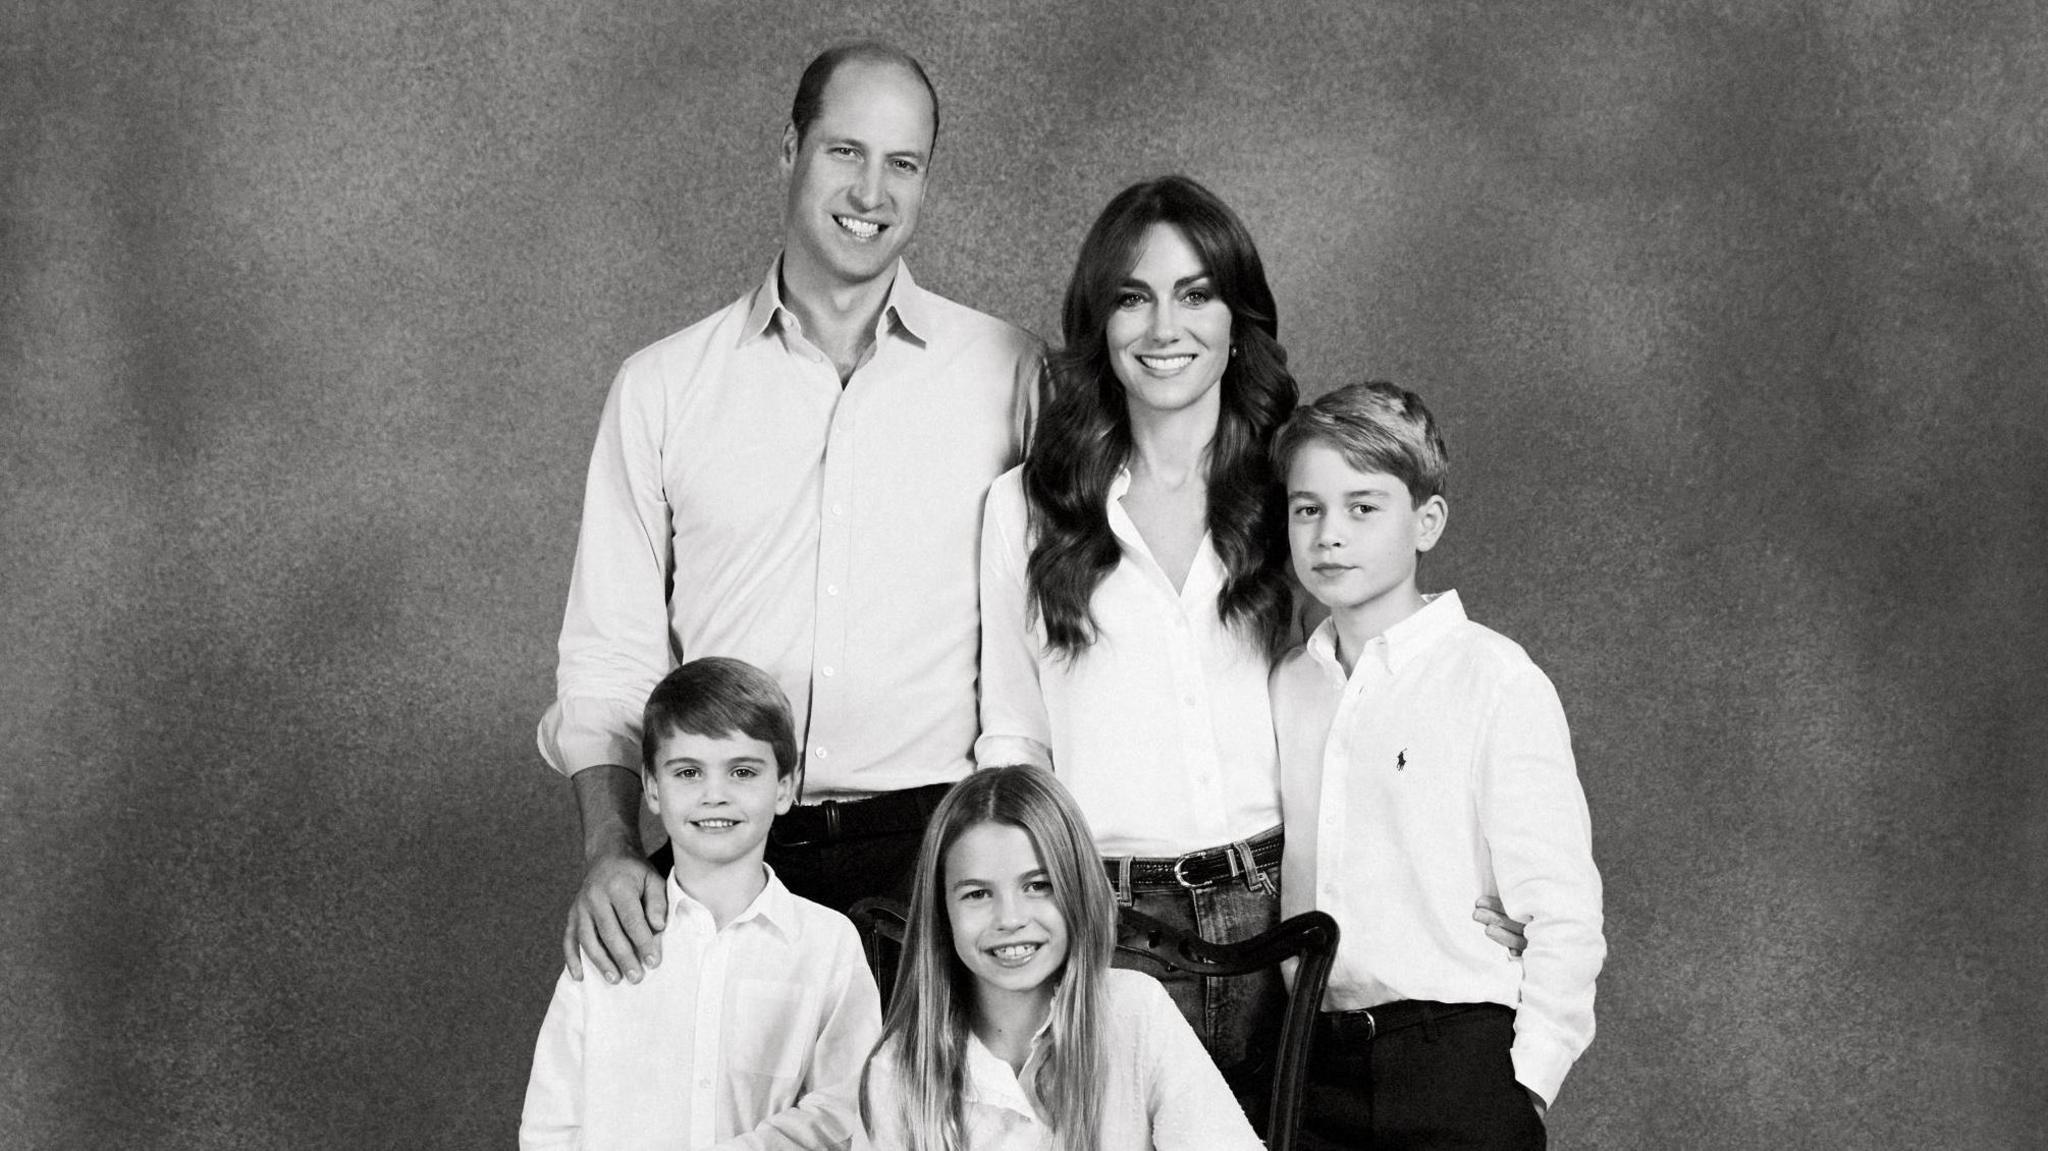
(1198, 736)
(709, 963)
(835, 557)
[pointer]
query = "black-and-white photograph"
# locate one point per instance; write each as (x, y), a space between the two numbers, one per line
(1038, 576)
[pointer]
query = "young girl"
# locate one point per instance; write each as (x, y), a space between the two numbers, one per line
(1009, 1030)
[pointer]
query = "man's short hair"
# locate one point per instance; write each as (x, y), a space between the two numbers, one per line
(719, 698)
(810, 91)
(1377, 427)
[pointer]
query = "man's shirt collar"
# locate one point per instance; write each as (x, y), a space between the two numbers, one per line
(907, 308)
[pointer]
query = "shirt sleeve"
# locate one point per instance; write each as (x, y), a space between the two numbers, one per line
(1191, 1107)
(1031, 385)
(1014, 728)
(826, 1114)
(1533, 815)
(552, 1119)
(884, 1126)
(615, 641)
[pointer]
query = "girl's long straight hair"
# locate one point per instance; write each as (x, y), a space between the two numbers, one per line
(1084, 436)
(931, 1009)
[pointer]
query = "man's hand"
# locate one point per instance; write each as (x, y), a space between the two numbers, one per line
(623, 903)
(1499, 927)
(616, 918)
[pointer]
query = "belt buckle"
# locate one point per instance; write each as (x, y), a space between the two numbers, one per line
(1182, 879)
(1372, 1026)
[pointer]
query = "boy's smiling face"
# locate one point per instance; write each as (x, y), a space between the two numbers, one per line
(716, 795)
(1354, 537)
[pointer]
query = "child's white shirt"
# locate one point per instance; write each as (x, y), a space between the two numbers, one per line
(1439, 770)
(750, 1036)
(1160, 1091)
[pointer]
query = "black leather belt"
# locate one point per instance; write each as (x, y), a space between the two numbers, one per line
(1354, 1028)
(1199, 868)
(837, 820)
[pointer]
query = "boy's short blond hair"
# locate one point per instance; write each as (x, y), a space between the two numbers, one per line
(1377, 427)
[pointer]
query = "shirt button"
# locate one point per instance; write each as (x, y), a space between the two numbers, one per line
(831, 589)
(826, 671)
(818, 751)
(838, 509)
(1188, 699)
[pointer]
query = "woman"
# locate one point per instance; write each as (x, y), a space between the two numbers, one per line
(1133, 586)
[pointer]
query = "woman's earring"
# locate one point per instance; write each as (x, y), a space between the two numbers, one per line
(1233, 351)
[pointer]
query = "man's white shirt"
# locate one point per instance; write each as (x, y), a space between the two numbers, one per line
(742, 502)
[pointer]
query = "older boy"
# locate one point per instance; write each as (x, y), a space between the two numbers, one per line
(1422, 757)
(757, 1036)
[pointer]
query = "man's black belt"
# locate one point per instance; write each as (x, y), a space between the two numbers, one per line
(1200, 868)
(1353, 1028)
(837, 820)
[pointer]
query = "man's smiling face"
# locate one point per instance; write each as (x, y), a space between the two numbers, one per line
(856, 178)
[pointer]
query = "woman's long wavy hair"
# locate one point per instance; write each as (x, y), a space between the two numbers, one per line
(931, 1009)
(1084, 434)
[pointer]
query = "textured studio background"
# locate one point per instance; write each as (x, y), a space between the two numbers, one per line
(1734, 311)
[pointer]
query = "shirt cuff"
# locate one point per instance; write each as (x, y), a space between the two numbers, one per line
(1540, 1064)
(580, 733)
(1007, 750)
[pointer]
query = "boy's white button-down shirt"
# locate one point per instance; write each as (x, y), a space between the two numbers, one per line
(1162, 729)
(1160, 1091)
(1442, 769)
(742, 502)
(748, 1037)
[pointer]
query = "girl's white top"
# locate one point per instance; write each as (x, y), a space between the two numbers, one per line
(1160, 1092)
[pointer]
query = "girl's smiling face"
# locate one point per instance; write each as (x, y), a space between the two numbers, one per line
(1007, 927)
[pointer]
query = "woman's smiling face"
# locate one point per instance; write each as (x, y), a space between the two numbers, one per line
(1169, 333)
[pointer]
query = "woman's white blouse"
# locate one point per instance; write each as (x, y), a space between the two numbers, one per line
(1162, 729)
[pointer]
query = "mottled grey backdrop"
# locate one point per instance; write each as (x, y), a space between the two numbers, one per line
(1734, 311)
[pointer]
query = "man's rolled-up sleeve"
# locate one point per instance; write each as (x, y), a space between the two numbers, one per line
(615, 643)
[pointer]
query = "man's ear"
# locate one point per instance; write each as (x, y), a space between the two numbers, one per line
(1430, 518)
(790, 142)
(785, 793)
(650, 793)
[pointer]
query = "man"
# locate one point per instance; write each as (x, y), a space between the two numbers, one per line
(797, 482)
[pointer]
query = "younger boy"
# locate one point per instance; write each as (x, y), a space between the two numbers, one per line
(1422, 757)
(753, 1034)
